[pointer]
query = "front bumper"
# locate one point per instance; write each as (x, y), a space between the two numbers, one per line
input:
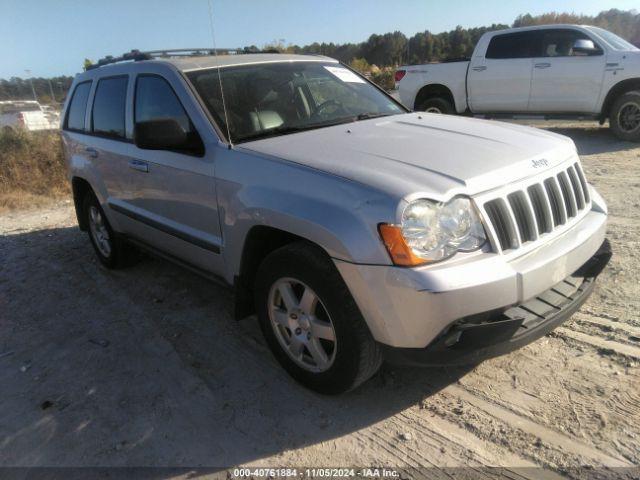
(411, 307)
(476, 338)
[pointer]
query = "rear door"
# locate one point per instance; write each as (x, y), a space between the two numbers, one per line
(500, 80)
(565, 80)
(170, 195)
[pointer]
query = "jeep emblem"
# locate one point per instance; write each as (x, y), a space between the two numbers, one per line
(539, 163)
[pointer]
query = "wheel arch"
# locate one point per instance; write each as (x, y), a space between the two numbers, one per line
(434, 90)
(620, 88)
(261, 240)
(80, 187)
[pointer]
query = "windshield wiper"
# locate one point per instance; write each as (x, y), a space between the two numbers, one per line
(368, 115)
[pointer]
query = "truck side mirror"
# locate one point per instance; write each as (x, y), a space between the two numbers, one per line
(586, 47)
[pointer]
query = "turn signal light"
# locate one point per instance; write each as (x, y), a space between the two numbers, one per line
(398, 249)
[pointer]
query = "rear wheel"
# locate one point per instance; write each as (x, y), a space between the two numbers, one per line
(625, 117)
(311, 322)
(111, 250)
(436, 105)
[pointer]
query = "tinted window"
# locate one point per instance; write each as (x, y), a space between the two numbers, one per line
(78, 107)
(559, 43)
(108, 107)
(155, 99)
(512, 45)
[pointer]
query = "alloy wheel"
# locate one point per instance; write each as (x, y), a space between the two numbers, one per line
(302, 325)
(99, 231)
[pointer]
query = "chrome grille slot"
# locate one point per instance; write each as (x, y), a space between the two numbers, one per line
(567, 194)
(557, 207)
(583, 182)
(499, 217)
(523, 216)
(520, 216)
(541, 208)
(577, 188)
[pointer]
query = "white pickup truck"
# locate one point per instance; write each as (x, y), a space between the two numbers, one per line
(552, 71)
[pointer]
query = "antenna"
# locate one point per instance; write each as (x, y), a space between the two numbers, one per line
(215, 51)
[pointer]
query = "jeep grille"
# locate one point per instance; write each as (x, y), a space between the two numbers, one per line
(527, 214)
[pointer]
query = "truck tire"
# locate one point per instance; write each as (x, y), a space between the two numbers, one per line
(624, 119)
(311, 322)
(436, 105)
(112, 251)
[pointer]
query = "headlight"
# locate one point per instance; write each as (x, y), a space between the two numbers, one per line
(432, 231)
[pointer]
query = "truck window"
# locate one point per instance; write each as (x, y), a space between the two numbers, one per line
(559, 43)
(511, 45)
(155, 99)
(109, 107)
(78, 107)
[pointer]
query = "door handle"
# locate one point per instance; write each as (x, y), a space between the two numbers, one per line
(479, 69)
(139, 165)
(542, 65)
(91, 152)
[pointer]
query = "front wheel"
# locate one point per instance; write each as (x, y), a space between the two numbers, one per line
(311, 322)
(436, 105)
(625, 117)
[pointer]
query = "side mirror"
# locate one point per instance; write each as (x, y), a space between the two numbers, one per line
(587, 47)
(166, 134)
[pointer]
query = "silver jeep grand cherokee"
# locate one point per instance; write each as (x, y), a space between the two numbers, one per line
(355, 229)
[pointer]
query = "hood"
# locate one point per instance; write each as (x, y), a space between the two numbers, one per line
(439, 155)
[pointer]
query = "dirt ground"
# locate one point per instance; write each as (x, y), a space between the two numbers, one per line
(146, 367)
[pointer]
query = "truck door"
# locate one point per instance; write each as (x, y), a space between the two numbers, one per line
(567, 76)
(499, 79)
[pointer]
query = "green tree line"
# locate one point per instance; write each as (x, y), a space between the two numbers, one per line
(386, 50)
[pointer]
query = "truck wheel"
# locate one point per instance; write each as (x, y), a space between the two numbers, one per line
(112, 251)
(436, 105)
(624, 119)
(311, 322)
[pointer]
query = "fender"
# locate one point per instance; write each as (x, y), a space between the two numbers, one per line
(339, 215)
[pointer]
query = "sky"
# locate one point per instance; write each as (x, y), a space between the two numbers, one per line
(53, 37)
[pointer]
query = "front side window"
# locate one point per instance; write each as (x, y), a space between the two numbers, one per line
(560, 43)
(511, 45)
(156, 100)
(272, 99)
(78, 107)
(109, 107)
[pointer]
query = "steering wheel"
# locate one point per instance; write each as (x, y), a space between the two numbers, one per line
(326, 104)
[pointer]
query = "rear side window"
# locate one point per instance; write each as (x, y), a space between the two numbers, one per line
(78, 107)
(155, 100)
(512, 45)
(109, 107)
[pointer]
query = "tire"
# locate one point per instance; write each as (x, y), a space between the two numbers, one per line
(111, 250)
(437, 105)
(624, 118)
(352, 356)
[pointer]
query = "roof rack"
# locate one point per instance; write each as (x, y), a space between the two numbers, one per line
(137, 55)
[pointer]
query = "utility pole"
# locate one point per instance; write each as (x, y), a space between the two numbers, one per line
(53, 96)
(33, 90)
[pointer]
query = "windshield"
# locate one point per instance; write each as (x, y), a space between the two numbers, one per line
(272, 99)
(613, 40)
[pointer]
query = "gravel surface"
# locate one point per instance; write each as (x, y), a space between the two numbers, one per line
(146, 367)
